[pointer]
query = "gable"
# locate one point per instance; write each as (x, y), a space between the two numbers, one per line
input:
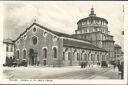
(38, 27)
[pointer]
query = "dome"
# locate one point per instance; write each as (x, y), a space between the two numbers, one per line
(92, 16)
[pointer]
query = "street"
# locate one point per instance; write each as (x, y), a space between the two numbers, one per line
(60, 73)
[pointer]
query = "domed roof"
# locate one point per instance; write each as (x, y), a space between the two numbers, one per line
(92, 16)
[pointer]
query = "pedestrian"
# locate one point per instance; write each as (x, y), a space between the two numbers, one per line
(84, 64)
(89, 64)
(81, 64)
(122, 70)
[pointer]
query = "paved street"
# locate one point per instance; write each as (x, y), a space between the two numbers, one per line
(61, 73)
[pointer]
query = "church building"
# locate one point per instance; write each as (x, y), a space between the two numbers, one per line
(41, 46)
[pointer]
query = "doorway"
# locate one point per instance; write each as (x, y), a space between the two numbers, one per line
(32, 57)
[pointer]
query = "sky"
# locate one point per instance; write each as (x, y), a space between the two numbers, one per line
(60, 16)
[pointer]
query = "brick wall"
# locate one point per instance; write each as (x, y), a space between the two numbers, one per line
(45, 40)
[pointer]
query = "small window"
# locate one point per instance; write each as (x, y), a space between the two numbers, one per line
(45, 53)
(85, 57)
(102, 58)
(7, 48)
(54, 52)
(25, 36)
(34, 40)
(69, 56)
(98, 58)
(24, 54)
(18, 54)
(55, 38)
(45, 34)
(11, 48)
(78, 57)
(63, 55)
(34, 29)
(91, 57)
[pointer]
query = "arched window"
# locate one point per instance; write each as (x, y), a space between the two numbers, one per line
(54, 52)
(24, 54)
(45, 53)
(69, 56)
(75, 56)
(34, 40)
(45, 34)
(78, 57)
(98, 58)
(91, 57)
(11, 48)
(85, 57)
(25, 36)
(81, 56)
(63, 55)
(18, 54)
(7, 48)
(34, 29)
(103, 57)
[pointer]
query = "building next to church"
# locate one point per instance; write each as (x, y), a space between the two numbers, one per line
(118, 53)
(8, 50)
(91, 43)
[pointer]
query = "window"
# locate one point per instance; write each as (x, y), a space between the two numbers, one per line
(45, 34)
(81, 56)
(7, 48)
(34, 40)
(45, 52)
(85, 57)
(69, 56)
(34, 29)
(18, 54)
(24, 54)
(54, 52)
(91, 57)
(98, 58)
(78, 57)
(63, 55)
(25, 36)
(55, 38)
(103, 57)
(11, 48)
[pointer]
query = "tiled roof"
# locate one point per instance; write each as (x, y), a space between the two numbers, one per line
(8, 41)
(116, 45)
(108, 41)
(83, 45)
(61, 34)
(54, 32)
(78, 44)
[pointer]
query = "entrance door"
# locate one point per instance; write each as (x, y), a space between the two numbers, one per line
(32, 57)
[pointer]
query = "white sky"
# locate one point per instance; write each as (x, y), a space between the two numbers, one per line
(60, 16)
